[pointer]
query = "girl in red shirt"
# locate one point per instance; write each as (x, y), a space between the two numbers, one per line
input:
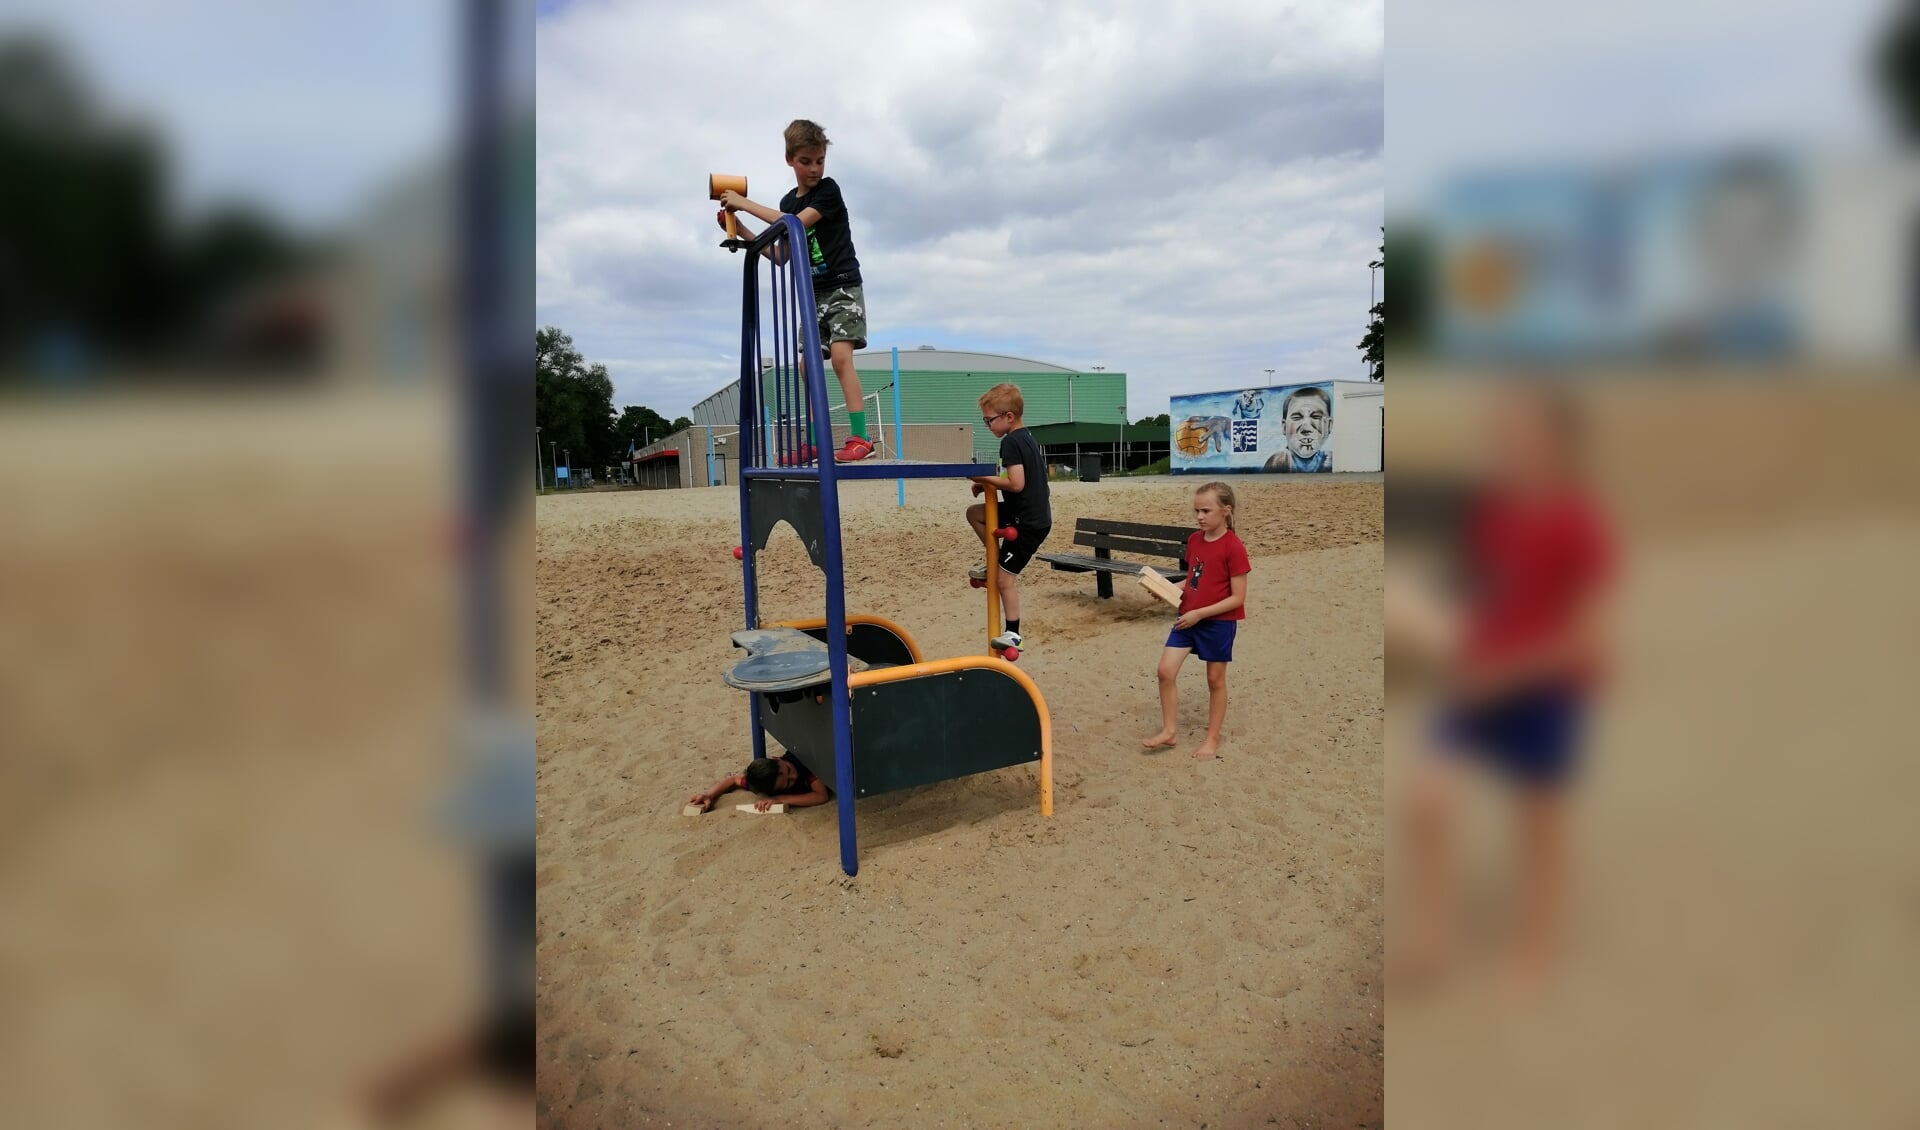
(1538, 551)
(1211, 607)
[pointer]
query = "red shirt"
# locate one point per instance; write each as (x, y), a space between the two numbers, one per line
(1211, 567)
(1532, 565)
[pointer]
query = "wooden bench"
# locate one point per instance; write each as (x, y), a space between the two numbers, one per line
(1167, 542)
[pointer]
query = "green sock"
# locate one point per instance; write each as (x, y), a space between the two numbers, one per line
(858, 420)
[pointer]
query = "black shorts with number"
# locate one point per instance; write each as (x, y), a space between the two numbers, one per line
(1015, 554)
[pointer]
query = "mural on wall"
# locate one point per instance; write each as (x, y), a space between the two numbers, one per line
(1285, 429)
(1679, 256)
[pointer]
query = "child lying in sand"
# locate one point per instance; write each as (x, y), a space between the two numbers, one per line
(779, 780)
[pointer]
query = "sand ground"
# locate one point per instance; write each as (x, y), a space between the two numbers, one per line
(227, 676)
(1182, 943)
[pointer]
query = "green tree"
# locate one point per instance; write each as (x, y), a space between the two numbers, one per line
(640, 426)
(88, 255)
(83, 245)
(573, 402)
(1896, 71)
(1159, 421)
(1374, 345)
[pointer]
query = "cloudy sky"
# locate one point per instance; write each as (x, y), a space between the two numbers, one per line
(1187, 192)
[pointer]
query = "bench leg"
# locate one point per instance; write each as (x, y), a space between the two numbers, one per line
(1103, 583)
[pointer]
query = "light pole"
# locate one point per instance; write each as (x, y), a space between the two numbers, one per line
(1269, 376)
(553, 462)
(1123, 438)
(539, 481)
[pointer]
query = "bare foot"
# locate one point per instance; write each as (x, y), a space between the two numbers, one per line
(1162, 740)
(1207, 749)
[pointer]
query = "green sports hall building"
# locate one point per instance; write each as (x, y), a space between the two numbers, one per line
(943, 386)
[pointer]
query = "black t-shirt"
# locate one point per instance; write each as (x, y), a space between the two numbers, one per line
(829, 242)
(1031, 508)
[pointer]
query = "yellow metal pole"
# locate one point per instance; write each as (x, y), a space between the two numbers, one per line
(993, 563)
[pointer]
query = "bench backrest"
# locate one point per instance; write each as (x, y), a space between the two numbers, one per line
(1133, 537)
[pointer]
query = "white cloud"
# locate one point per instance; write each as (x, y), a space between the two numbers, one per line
(1189, 193)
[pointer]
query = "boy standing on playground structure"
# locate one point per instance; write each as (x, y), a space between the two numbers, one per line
(1212, 604)
(839, 302)
(1025, 503)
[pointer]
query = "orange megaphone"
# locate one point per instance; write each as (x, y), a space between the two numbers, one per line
(718, 183)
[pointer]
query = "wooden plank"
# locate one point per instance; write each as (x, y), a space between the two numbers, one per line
(772, 809)
(1133, 529)
(692, 810)
(1161, 587)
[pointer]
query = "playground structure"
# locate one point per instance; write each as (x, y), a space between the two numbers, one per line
(850, 695)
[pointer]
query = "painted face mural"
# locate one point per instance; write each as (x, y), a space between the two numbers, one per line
(1284, 429)
(1305, 421)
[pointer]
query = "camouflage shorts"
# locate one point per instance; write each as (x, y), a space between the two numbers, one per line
(843, 317)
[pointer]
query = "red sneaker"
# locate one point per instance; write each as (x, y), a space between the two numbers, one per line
(854, 450)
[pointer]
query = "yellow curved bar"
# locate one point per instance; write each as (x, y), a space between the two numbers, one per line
(978, 663)
(991, 497)
(858, 618)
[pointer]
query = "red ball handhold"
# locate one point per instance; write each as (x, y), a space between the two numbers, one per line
(1012, 654)
(737, 554)
(1007, 533)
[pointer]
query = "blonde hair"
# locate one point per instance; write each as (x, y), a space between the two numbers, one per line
(1006, 398)
(803, 134)
(1223, 494)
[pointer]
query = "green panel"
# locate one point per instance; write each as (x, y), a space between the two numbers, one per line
(800, 722)
(939, 727)
(914, 731)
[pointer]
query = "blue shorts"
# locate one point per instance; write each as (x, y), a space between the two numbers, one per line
(1211, 640)
(1531, 737)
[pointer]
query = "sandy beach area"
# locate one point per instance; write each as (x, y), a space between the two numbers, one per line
(1182, 943)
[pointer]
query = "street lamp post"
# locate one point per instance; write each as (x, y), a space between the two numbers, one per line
(554, 462)
(539, 480)
(1123, 438)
